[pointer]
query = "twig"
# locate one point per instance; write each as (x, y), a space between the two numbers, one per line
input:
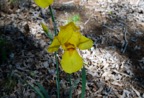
(109, 28)
(88, 19)
(124, 46)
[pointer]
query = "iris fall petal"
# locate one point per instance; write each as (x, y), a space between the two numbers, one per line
(54, 46)
(71, 61)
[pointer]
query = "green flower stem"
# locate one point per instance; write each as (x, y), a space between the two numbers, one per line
(83, 82)
(53, 19)
(70, 92)
(55, 54)
(57, 77)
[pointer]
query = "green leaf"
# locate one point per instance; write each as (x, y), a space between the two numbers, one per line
(43, 90)
(76, 83)
(83, 82)
(73, 85)
(36, 90)
(75, 18)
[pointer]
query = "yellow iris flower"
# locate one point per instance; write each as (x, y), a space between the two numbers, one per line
(70, 39)
(43, 3)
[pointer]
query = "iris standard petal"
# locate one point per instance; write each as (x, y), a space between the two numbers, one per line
(54, 46)
(71, 61)
(43, 3)
(74, 40)
(66, 32)
(85, 43)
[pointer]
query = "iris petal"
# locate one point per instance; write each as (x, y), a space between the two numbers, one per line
(85, 43)
(75, 38)
(66, 32)
(71, 61)
(54, 46)
(43, 3)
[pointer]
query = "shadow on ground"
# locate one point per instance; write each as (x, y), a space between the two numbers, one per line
(21, 57)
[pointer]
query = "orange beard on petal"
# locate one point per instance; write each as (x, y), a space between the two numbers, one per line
(69, 45)
(70, 48)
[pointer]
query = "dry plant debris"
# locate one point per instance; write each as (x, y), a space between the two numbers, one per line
(115, 63)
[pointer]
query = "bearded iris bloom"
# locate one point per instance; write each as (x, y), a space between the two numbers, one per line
(70, 39)
(43, 3)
